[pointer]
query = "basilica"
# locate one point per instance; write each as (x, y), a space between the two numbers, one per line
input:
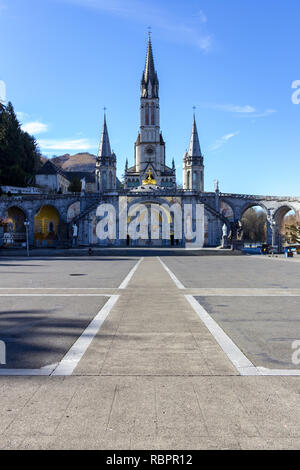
(52, 214)
(150, 150)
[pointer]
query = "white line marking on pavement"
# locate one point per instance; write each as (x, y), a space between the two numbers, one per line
(172, 275)
(235, 293)
(278, 372)
(57, 288)
(239, 360)
(73, 356)
(127, 279)
(54, 295)
(46, 370)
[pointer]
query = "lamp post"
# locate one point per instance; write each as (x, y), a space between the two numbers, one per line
(27, 223)
(272, 223)
(273, 227)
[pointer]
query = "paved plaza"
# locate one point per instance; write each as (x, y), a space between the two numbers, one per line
(149, 352)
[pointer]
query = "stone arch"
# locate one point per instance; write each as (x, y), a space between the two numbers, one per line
(73, 211)
(278, 217)
(160, 204)
(110, 185)
(248, 205)
(46, 226)
(281, 212)
(14, 228)
(227, 210)
(255, 230)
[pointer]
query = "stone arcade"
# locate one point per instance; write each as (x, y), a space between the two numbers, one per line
(149, 181)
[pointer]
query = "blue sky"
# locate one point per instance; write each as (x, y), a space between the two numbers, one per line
(62, 61)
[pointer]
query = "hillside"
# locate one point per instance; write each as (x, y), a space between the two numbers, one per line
(77, 162)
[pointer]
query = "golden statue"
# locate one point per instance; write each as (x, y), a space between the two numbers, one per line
(149, 179)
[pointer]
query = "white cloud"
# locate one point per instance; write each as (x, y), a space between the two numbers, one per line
(22, 116)
(76, 144)
(190, 30)
(266, 113)
(223, 140)
(2, 92)
(232, 108)
(246, 111)
(34, 128)
(201, 16)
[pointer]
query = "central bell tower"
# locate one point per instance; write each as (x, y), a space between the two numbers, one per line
(150, 146)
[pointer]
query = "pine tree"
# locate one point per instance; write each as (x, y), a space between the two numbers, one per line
(75, 186)
(19, 153)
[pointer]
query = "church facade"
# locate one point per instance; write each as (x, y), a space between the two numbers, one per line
(150, 183)
(150, 148)
(148, 209)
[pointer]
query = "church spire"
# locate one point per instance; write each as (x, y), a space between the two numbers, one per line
(105, 163)
(104, 149)
(194, 147)
(193, 168)
(150, 84)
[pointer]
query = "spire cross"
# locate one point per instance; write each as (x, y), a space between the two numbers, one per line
(149, 31)
(194, 108)
(104, 109)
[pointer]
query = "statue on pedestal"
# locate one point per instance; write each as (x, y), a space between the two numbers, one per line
(217, 188)
(83, 185)
(239, 231)
(224, 236)
(74, 234)
(236, 231)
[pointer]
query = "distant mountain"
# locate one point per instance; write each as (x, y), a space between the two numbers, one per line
(77, 162)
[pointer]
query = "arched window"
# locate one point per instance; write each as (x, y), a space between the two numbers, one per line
(110, 180)
(147, 114)
(152, 114)
(188, 180)
(104, 180)
(195, 178)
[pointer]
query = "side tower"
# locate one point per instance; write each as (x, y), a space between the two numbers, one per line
(150, 145)
(193, 168)
(105, 163)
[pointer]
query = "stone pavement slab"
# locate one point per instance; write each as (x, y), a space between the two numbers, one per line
(152, 413)
(152, 378)
(263, 329)
(234, 272)
(153, 330)
(38, 331)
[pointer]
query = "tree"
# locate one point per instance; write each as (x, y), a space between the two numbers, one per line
(254, 225)
(292, 233)
(19, 152)
(75, 186)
